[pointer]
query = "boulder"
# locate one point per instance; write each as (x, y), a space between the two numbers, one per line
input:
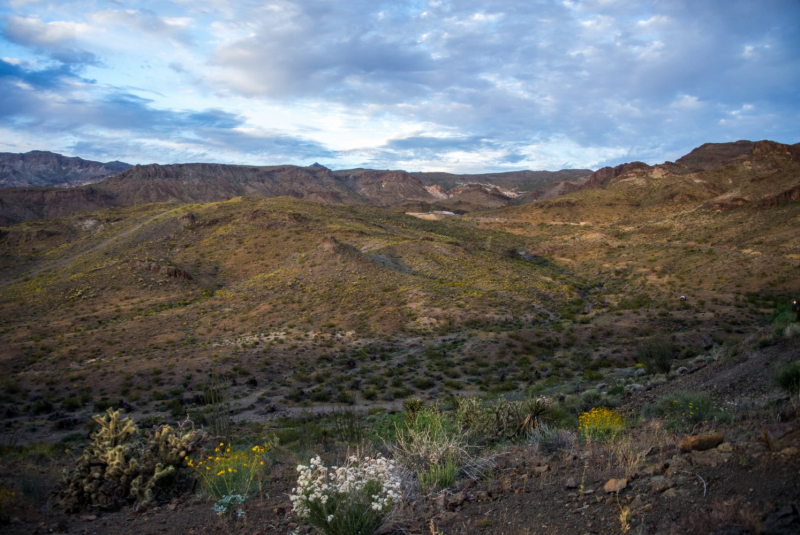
(781, 436)
(701, 442)
(615, 485)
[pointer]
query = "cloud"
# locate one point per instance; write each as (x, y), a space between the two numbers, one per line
(148, 22)
(56, 38)
(489, 85)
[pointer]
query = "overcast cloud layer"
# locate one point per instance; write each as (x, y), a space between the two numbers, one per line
(463, 86)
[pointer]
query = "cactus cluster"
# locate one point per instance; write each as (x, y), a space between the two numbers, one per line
(123, 465)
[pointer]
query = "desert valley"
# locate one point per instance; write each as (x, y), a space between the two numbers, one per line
(573, 351)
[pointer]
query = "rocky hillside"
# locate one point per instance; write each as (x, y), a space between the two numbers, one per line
(42, 168)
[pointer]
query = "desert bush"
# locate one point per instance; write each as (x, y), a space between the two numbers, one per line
(684, 410)
(656, 355)
(217, 410)
(348, 426)
(122, 465)
(489, 423)
(787, 377)
(230, 473)
(600, 424)
(549, 439)
(354, 499)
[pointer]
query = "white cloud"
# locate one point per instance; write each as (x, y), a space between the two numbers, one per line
(32, 31)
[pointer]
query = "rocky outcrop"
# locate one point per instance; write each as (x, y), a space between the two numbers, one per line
(154, 267)
(602, 177)
(17, 205)
(42, 168)
(710, 155)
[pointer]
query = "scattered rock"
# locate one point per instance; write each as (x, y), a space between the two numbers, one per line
(481, 496)
(615, 485)
(701, 442)
(447, 516)
(571, 483)
(669, 493)
(660, 484)
(542, 469)
(712, 458)
(456, 500)
(676, 464)
(89, 518)
(791, 451)
(726, 447)
(781, 436)
(683, 370)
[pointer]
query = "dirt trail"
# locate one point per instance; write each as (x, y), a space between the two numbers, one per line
(94, 248)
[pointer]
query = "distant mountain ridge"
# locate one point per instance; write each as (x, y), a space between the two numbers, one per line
(716, 175)
(43, 168)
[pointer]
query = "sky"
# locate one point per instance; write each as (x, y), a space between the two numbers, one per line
(461, 86)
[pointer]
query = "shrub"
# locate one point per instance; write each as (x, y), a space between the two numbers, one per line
(600, 425)
(504, 420)
(217, 408)
(656, 355)
(229, 473)
(348, 426)
(787, 377)
(440, 474)
(354, 499)
(549, 440)
(684, 410)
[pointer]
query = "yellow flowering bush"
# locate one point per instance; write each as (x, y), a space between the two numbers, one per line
(229, 472)
(600, 424)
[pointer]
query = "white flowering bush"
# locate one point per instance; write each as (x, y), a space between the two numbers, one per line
(354, 499)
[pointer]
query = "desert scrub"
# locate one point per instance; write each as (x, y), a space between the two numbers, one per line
(656, 355)
(684, 410)
(600, 425)
(353, 499)
(549, 439)
(490, 423)
(228, 473)
(787, 377)
(432, 446)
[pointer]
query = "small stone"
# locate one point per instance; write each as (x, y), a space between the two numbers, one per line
(571, 483)
(481, 496)
(292, 525)
(669, 493)
(615, 485)
(725, 447)
(701, 442)
(791, 451)
(89, 518)
(660, 484)
(542, 469)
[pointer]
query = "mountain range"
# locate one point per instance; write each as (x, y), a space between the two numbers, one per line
(118, 184)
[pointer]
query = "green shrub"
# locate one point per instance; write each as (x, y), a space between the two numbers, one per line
(348, 426)
(656, 355)
(490, 423)
(684, 410)
(787, 377)
(439, 475)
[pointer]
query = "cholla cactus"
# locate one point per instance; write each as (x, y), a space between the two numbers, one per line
(122, 466)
